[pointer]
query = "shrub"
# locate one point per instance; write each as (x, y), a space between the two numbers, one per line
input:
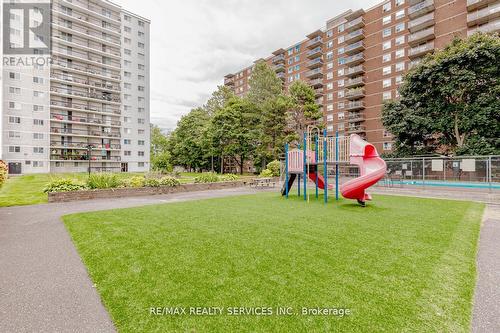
(266, 173)
(208, 177)
(229, 177)
(3, 173)
(274, 167)
(152, 182)
(136, 181)
(64, 185)
(103, 180)
(169, 181)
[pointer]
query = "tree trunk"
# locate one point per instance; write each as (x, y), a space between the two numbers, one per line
(242, 160)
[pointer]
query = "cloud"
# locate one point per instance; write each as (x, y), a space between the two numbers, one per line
(194, 43)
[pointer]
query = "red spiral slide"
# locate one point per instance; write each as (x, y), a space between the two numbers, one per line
(371, 169)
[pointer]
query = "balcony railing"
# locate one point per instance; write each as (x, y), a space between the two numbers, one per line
(314, 42)
(355, 59)
(84, 19)
(103, 98)
(354, 36)
(421, 36)
(356, 47)
(85, 120)
(421, 23)
(421, 49)
(84, 132)
(95, 11)
(279, 68)
(483, 15)
(353, 71)
(355, 24)
(85, 70)
(97, 85)
(84, 107)
(75, 28)
(355, 93)
(318, 92)
(84, 145)
(281, 75)
(421, 8)
(85, 57)
(87, 45)
(356, 129)
(279, 59)
(228, 82)
(356, 117)
(490, 27)
(473, 4)
(314, 53)
(318, 62)
(354, 82)
(83, 157)
(316, 83)
(355, 105)
(315, 73)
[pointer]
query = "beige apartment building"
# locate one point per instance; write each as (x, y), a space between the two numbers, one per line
(357, 61)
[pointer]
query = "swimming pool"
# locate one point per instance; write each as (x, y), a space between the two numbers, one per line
(443, 183)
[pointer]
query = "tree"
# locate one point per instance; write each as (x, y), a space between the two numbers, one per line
(218, 100)
(266, 94)
(186, 141)
(160, 156)
(303, 110)
(450, 102)
(234, 130)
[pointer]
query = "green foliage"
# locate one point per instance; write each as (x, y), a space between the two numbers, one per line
(218, 100)
(3, 173)
(274, 167)
(64, 185)
(449, 103)
(228, 177)
(169, 181)
(103, 180)
(152, 182)
(135, 181)
(303, 110)
(266, 173)
(207, 177)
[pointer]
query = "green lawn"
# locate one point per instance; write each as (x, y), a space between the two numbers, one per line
(399, 265)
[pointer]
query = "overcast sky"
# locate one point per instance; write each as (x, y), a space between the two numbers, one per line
(194, 43)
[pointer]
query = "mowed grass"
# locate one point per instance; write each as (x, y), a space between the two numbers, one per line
(400, 264)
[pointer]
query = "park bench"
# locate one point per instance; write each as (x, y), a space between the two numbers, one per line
(262, 182)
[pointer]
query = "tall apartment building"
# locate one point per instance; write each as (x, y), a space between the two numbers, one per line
(357, 61)
(90, 104)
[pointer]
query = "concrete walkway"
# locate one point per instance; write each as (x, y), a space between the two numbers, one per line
(44, 286)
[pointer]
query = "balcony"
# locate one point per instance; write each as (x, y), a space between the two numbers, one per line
(66, 79)
(474, 4)
(421, 36)
(315, 73)
(84, 132)
(100, 98)
(279, 59)
(83, 145)
(318, 92)
(319, 101)
(279, 68)
(84, 20)
(71, 106)
(485, 28)
(281, 76)
(355, 48)
(85, 70)
(83, 157)
(355, 82)
(421, 23)
(77, 30)
(64, 118)
(355, 105)
(228, 82)
(483, 15)
(355, 93)
(316, 41)
(86, 46)
(314, 53)
(83, 57)
(354, 24)
(96, 11)
(420, 50)
(354, 71)
(354, 36)
(356, 129)
(356, 117)
(317, 83)
(355, 59)
(421, 8)
(318, 62)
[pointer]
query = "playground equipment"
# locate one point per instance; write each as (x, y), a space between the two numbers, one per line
(317, 150)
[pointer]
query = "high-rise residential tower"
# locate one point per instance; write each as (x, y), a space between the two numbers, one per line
(89, 105)
(358, 59)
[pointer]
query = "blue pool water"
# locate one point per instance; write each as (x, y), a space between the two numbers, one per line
(446, 184)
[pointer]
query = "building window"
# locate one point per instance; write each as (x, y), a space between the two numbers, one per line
(340, 93)
(340, 116)
(14, 120)
(140, 45)
(386, 20)
(297, 49)
(399, 2)
(38, 122)
(329, 86)
(329, 117)
(386, 45)
(127, 85)
(14, 90)
(387, 145)
(127, 141)
(38, 136)
(400, 14)
(400, 27)
(140, 164)
(14, 149)
(329, 107)
(386, 7)
(386, 95)
(340, 50)
(329, 33)
(127, 29)
(14, 135)
(14, 106)
(39, 94)
(400, 53)
(340, 40)
(386, 83)
(141, 121)
(37, 108)
(127, 153)
(399, 79)
(340, 72)
(340, 83)
(400, 66)
(140, 23)
(128, 52)
(386, 57)
(14, 76)
(140, 88)
(140, 153)
(386, 70)
(38, 150)
(341, 105)
(140, 142)
(386, 32)
(400, 40)
(340, 28)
